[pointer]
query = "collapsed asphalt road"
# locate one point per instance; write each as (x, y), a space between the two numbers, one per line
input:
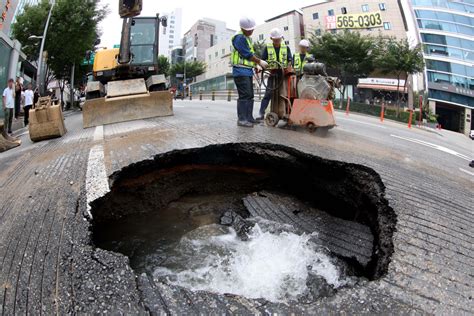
(50, 265)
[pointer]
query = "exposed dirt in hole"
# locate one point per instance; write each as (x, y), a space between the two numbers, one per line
(154, 203)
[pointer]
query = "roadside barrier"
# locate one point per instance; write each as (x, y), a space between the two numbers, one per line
(382, 112)
(410, 118)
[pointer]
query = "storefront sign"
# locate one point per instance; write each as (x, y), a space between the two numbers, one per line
(354, 21)
(382, 81)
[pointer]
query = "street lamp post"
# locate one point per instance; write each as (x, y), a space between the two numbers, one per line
(39, 73)
(184, 72)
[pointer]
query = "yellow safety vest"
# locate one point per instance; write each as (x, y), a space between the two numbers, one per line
(272, 57)
(299, 64)
(237, 59)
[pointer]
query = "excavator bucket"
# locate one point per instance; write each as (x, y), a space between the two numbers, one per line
(126, 100)
(6, 141)
(46, 121)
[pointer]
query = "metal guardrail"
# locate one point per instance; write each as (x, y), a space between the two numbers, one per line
(222, 95)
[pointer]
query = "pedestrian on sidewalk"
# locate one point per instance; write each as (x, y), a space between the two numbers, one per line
(8, 104)
(29, 97)
(36, 98)
(243, 62)
(18, 90)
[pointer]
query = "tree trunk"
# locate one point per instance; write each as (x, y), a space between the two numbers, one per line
(61, 89)
(398, 95)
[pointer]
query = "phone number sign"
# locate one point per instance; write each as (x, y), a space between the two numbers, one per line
(354, 21)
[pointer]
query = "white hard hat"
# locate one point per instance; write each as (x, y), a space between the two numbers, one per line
(247, 24)
(276, 33)
(304, 43)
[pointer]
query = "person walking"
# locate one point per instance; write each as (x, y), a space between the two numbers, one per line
(243, 62)
(18, 90)
(302, 58)
(29, 97)
(277, 51)
(8, 104)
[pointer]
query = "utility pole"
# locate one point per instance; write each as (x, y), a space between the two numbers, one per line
(71, 89)
(39, 73)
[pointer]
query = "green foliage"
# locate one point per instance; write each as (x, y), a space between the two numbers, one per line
(396, 57)
(31, 22)
(349, 54)
(72, 31)
(193, 69)
(163, 65)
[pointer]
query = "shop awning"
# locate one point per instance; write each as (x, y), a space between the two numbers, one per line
(380, 87)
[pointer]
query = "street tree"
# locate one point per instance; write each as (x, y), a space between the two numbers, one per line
(398, 58)
(163, 65)
(193, 69)
(73, 30)
(348, 54)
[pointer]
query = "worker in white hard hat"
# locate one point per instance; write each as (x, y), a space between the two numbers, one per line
(243, 63)
(302, 57)
(276, 51)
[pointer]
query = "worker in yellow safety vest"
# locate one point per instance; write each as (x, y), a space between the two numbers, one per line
(302, 58)
(243, 61)
(277, 51)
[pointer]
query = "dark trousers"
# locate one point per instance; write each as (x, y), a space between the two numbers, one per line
(245, 101)
(17, 105)
(27, 109)
(268, 95)
(8, 120)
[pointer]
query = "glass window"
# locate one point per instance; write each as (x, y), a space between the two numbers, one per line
(142, 41)
(387, 26)
(318, 32)
(216, 54)
(285, 28)
(463, 19)
(425, 14)
(261, 37)
(445, 16)
(223, 51)
(365, 8)
(343, 10)
(331, 12)
(315, 16)
(382, 7)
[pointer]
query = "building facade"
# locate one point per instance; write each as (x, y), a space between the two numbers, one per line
(446, 31)
(290, 23)
(13, 62)
(369, 17)
(170, 36)
(218, 74)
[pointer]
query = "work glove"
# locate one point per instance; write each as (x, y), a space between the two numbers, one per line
(263, 64)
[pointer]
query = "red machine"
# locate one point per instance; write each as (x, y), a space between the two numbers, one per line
(306, 101)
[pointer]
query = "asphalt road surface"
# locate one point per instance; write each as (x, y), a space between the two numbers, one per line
(48, 265)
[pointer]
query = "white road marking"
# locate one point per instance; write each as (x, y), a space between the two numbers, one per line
(434, 146)
(97, 184)
(468, 172)
(99, 133)
(355, 121)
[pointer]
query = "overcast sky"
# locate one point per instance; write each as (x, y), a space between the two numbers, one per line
(227, 10)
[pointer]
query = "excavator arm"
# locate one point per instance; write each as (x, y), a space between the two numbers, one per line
(127, 10)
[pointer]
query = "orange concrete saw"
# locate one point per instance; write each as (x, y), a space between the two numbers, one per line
(304, 101)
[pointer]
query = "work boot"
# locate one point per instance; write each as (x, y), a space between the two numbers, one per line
(244, 124)
(250, 112)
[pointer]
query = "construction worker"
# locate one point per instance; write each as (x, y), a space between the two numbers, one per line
(243, 62)
(277, 51)
(303, 57)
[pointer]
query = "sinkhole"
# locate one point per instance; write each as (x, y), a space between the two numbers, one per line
(258, 220)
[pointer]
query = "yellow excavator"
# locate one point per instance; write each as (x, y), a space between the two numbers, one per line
(127, 85)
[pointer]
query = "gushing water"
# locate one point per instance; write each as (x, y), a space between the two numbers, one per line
(274, 263)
